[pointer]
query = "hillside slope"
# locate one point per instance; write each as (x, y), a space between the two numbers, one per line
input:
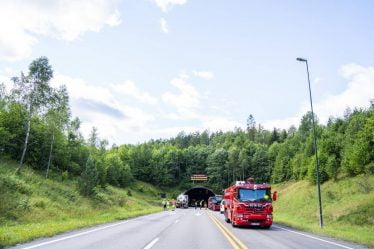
(32, 206)
(348, 208)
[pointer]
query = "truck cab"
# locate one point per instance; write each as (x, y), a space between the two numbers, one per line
(182, 201)
(249, 204)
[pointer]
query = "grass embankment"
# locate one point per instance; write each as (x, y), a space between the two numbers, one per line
(348, 208)
(32, 206)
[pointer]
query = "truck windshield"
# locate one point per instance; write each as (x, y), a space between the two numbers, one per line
(254, 194)
(218, 198)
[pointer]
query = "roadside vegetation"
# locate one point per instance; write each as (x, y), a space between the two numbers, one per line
(33, 206)
(348, 208)
(67, 171)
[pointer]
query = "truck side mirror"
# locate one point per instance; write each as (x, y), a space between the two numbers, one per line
(275, 196)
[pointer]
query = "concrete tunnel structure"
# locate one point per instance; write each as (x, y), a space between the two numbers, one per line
(197, 194)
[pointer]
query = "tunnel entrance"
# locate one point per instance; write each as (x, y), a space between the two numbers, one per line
(198, 194)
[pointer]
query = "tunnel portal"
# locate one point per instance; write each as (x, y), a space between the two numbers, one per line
(198, 194)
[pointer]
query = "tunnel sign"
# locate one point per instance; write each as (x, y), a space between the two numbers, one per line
(199, 177)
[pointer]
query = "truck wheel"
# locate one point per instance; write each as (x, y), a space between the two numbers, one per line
(226, 218)
(233, 223)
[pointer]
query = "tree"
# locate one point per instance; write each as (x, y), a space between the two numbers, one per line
(93, 139)
(89, 178)
(57, 116)
(34, 92)
(251, 127)
(217, 169)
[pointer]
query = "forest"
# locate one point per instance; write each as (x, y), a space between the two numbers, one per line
(37, 129)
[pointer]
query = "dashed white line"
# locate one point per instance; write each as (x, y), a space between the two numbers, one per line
(312, 237)
(152, 243)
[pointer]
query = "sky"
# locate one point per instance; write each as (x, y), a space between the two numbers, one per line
(149, 69)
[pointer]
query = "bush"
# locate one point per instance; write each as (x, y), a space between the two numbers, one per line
(12, 183)
(122, 201)
(24, 204)
(40, 204)
(129, 193)
(101, 197)
(64, 176)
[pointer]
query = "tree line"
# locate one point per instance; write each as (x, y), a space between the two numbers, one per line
(36, 127)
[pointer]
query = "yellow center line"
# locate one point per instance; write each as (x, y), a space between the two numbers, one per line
(241, 244)
(225, 234)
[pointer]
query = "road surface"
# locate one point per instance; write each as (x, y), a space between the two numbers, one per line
(184, 229)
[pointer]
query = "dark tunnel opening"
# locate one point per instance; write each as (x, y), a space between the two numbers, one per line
(198, 194)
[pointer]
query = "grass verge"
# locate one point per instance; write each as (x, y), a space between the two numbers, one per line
(32, 206)
(348, 208)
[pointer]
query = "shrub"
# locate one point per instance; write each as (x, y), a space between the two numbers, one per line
(12, 183)
(122, 201)
(64, 176)
(40, 204)
(24, 204)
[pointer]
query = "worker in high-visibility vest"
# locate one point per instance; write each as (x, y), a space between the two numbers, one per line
(201, 203)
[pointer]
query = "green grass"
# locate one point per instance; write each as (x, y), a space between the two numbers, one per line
(348, 208)
(32, 206)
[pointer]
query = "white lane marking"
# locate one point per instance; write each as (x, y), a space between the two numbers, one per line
(312, 237)
(75, 235)
(153, 242)
(83, 233)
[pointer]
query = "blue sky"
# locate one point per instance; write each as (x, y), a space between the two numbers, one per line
(141, 69)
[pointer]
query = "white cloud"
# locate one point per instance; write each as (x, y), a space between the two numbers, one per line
(316, 81)
(98, 106)
(215, 123)
(359, 91)
(188, 105)
(164, 25)
(5, 77)
(130, 89)
(204, 74)
(22, 22)
(186, 101)
(166, 5)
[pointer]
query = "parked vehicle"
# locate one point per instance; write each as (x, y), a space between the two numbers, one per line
(182, 201)
(214, 202)
(249, 204)
(222, 207)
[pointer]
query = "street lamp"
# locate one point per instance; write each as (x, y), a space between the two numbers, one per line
(315, 144)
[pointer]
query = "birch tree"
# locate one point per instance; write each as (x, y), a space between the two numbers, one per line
(34, 92)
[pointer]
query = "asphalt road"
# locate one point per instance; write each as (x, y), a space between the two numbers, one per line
(184, 229)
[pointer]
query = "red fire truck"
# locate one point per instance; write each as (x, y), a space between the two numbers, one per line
(249, 204)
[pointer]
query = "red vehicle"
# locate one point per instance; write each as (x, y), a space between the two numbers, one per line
(249, 204)
(214, 202)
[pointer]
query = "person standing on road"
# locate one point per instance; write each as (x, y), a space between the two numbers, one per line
(164, 203)
(173, 205)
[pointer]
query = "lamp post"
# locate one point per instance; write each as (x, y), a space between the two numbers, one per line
(315, 144)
